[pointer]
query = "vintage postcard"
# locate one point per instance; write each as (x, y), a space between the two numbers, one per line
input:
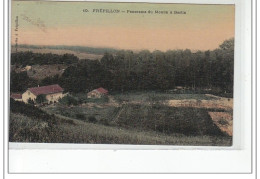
(121, 73)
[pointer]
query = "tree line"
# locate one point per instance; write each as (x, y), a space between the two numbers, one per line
(84, 49)
(145, 70)
(30, 58)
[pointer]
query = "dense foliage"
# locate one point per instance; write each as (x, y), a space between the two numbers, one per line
(70, 100)
(41, 98)
(29, 58)
(21, 81)
(125, 70)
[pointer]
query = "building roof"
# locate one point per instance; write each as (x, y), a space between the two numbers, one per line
(99, 90)
(16, 96)
(102, 90)
(46, 89)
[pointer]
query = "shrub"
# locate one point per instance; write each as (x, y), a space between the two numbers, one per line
(92, 119)
(41, 98)
(69, 100)
(104, 122)
(30, 101)
(81, 116)
(69, 121)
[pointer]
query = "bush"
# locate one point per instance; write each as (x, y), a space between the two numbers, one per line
(92, 119)
(69, 121)
(104, 122)
(30, 101)
(41, 98)
(69, 100)
(81, 116)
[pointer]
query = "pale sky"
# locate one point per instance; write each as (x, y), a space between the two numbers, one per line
(203, 27)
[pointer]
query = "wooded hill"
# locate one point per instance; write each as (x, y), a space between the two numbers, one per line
(126, 70)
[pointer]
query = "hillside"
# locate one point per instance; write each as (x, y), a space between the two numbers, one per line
(80, 55)
(61, 123)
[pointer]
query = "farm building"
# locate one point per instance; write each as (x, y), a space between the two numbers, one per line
(17, 96)
(52, 93)
(97, 93)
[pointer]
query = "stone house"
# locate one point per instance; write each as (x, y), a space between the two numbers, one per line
(52, 93)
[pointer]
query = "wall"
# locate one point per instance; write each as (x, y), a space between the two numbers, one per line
(27, 95)
(54, 97)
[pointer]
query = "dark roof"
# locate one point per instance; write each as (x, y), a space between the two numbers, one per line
(46, 89)
(16, 96)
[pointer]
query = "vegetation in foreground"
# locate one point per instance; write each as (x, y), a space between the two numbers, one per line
(26, 129)
(124, 124)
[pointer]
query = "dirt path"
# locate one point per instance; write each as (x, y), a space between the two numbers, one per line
(224, 121)
(221, 103)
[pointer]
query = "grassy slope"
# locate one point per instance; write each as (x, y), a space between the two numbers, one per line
(96, 133)
(71, 130)
(84, 132)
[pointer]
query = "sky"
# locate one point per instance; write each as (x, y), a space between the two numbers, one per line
(203, 27)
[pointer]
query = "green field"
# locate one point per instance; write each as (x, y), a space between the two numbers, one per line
(158, 96)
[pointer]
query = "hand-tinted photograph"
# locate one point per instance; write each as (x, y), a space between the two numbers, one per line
(121, 73)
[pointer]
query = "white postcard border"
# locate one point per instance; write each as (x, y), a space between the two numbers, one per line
(240, 156)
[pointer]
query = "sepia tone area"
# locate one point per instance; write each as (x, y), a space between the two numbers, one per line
(78, 76)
